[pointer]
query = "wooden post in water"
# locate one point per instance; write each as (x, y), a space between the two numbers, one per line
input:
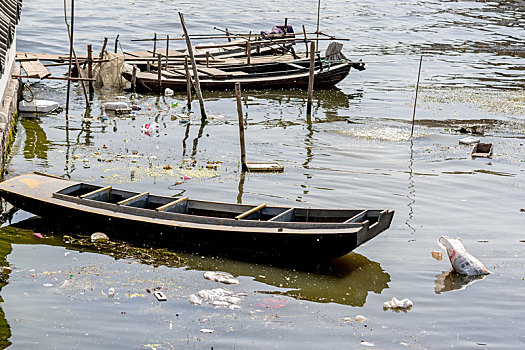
(311, 78)
(103, 48)
(188, 81)
(228, 35)
(285, 27)
(90, 70)
(116, 43)
(318, 15)
(70, 56)
(305, 41)
(154, 44)
(241, 125)
(134, 78)
(415, 99)
(207, 59)
(194, 66)
(167, 50)
(248, 52)
(159, 72)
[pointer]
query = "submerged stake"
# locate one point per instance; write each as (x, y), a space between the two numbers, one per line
(415, 99)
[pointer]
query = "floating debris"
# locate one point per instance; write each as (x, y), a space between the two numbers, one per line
(39, 235)
(206, 330)
(221, 277)
(99, 237)
(160, 296)
(398, 304)
(468, 140)
(218, 297)
(438, 255)
(462, 262)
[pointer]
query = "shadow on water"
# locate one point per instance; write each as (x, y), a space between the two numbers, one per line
(346, 280)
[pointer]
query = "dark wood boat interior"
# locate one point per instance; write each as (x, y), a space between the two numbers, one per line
(93, 194)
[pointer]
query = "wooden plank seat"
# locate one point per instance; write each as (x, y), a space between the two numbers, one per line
(250, 211)
(133, 199)
(91, 194)
(180, 204)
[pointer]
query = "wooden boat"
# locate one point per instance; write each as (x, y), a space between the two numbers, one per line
(482, 150)
(200, 226)
(273, 75)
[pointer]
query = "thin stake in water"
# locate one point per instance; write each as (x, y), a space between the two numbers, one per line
(415, 99)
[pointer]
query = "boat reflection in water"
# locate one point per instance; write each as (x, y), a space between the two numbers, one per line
(451, 280)
(346, 280)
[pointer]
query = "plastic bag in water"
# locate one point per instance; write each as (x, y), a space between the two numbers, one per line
(462, 262)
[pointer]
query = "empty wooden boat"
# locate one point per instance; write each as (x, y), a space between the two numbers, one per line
(200, 226)
(272, 75)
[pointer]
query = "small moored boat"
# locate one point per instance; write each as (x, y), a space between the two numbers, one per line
(206, 227)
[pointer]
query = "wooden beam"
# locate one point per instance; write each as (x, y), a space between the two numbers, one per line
(171, 204)
(251, 211)
(102, 189)
(133, 198)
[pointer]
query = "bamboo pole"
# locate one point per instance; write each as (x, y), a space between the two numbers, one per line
(159, 72)
(90, 70)
(241, 125)
(415, 99)
(207, 59)
(194, 66)
(188, 82)
(311, 78)
(228, 35)
(318, 16)
(305, 41)
(53, 78)
(167, 49)
(70, 54)
(218, 36)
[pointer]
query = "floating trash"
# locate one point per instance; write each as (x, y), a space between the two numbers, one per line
(221, 277)
(462, 262)
(468, 140)
(398, 304)
(218, 297)
(436, 254)
(99, 237)
(206, 330)
(168, 92)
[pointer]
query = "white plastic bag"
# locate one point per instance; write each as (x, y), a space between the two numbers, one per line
(462, 262)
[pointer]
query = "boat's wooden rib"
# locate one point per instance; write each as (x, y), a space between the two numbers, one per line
(132, 199)
(172, 204)
(95, 192)
(196, 225)
(249, 212)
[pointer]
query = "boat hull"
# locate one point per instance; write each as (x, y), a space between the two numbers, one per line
(322, 79)
(224, 240)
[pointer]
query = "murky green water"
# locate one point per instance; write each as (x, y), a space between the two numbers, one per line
(355, 151)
